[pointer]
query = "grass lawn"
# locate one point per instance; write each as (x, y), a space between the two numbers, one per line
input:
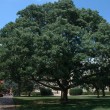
(53, 103)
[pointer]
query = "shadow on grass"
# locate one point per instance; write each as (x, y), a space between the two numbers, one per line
(54, 104)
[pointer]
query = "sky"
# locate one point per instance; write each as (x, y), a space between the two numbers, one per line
(9, 8)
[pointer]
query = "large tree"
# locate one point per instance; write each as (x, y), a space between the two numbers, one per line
(50, 44)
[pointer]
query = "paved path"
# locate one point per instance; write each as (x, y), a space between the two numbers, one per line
(6, 103)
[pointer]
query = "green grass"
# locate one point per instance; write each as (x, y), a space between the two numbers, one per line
(53, 103)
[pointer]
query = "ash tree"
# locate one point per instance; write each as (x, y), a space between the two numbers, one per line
(49, 43)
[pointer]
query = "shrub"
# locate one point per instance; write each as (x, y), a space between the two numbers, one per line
(45, 91)
(35, 94)
(76, 91)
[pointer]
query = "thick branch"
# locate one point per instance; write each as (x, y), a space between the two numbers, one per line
(50, 86)
(43, 79)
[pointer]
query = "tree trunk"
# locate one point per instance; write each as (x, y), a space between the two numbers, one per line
(97, 90)
(19, 90)
(103, 91)
(64, 97)
(29, 94)
(109, 88)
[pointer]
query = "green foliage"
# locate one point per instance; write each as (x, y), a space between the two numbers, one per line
(28, 86)
(45, 91)
(76, 91)
(1, 87)
(15, 92)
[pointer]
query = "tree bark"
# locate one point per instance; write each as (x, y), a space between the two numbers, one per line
(97, 90)
(109, 88)
(19, 90)
(103, 92)
(64, 97)
(29, 94)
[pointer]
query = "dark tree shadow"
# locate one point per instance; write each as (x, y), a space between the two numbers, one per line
(73, 104)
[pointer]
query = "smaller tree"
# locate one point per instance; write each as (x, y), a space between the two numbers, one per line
(28, 87)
